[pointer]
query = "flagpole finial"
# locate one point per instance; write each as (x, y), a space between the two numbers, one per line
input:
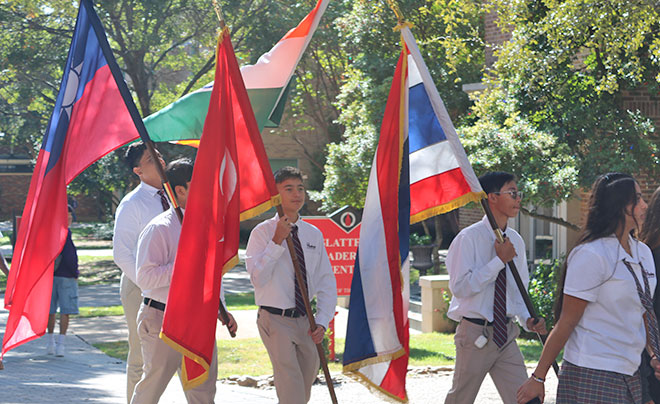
(401, 20)
(397, 11)
(218, 12)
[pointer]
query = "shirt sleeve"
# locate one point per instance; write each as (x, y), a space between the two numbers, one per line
(222, 294)
(125, 239)
(465, 277)
(326, 288)
(154, 269)
(585, 274)
(261, 256)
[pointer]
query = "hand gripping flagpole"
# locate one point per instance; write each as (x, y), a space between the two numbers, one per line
(516, 276)
(308, 309)
(139, 124)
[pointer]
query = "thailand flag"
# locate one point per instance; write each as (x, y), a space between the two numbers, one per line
(90, 119)
(441, 177)
(419, 170)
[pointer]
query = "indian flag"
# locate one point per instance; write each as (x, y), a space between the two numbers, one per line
(267, 83)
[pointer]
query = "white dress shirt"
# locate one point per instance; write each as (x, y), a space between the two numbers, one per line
(473, 267)
(272, 275)
(156, 253)
(135, 210)
(610, 335)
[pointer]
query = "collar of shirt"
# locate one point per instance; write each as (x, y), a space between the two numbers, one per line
(144, 187)
(612, 244)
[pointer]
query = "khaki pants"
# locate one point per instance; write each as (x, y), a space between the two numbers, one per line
(292, 353)
(131, 297)
(505, 365)
(161, 362)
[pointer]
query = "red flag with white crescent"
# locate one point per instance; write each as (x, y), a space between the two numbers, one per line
(231, 177)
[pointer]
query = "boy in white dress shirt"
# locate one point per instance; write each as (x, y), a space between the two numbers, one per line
(156, 252)
(485, 298)
(135, 210)
(282, 321)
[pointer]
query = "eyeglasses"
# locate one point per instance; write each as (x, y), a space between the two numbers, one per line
(514, 194)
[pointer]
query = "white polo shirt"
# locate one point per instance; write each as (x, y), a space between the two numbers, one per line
(610, 335)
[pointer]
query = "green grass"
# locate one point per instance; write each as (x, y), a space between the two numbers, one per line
(93, 270)
(92, 244)
(97, 270)
(249, 356)
(89, 259)
(116, 349)
(240, 301)
(243, 357)
(432, 349)
(92, 235)
(85, 312)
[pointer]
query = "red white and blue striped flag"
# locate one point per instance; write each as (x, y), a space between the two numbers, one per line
(90, 119)
(420, 169)
(441, 177)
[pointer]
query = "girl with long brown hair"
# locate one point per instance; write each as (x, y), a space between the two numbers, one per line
(600, 316)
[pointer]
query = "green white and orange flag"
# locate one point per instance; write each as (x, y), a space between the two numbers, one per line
(267, 83)
(231, 179)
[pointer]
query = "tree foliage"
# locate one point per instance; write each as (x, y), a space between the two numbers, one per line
(565, 73)
(552, 111)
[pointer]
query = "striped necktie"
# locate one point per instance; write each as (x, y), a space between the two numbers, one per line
(300, 302)
(163, 200)
(651, 322)
(499, 309)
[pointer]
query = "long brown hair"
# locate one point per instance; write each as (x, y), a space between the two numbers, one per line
(650, 233)
(611, 194)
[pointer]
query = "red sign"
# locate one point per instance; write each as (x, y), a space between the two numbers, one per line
(341, 245)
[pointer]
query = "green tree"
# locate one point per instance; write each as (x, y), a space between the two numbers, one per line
(563, 76)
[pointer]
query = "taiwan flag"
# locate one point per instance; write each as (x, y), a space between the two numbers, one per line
(90, 119)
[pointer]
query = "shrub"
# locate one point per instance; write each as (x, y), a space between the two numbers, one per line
(542, 288)
(414, 276)
(420, 239)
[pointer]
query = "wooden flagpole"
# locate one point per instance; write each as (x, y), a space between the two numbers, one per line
(308, 310)
(516, 275)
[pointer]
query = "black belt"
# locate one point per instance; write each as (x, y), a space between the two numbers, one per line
(481, 321)
(155, 304)
(285, 313)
